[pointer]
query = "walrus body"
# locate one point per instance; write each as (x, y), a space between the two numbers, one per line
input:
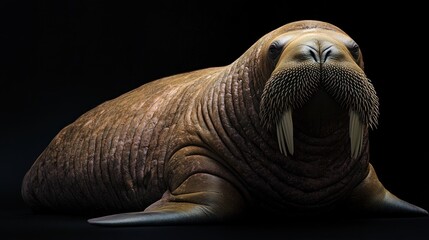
(284, 128)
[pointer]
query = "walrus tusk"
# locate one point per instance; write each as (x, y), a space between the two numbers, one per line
(285, 133)
(356, 134)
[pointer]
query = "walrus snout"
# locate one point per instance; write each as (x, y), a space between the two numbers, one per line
(307, 64)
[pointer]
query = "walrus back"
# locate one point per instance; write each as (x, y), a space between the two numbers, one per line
(112, 158)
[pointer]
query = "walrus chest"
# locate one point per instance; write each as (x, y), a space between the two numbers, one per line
(301, 184)
(320, 172)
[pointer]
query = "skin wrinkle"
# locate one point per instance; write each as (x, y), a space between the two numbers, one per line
(304, 181)
(148, 156)
(150, 160)
(132, 156)
(202, 142)
(247, 125)
(221, 141)
(353, 174)
(215, 105)
(97, 164)
(332, 189)
(111, 172)
(225, 124)
(253, 126)
(103, 168)
(161, 126)
(205, 110)
(44, 176)
(70, 166)
(78, 165)
(49, 184)
(116, 141)
(92, 162)
(66, 159)
(122, 154)
(205, 114)
(75, 166)
(237, 153)
(44, 188)
(228, 116)
(150, 164)
(164, 139)
(114, 167)
(125, 155)
(84, 169)
(45, 200)
(193, 137)
(333, 181)
(181, 107)
(138, 198)
(54, 182)
(257, 76)
(134, 149)
(165, 134)
(156, 155)
(244, 107)
(317, 145)
(238, 140)
(136, 152)
(199, 121)
(141, 165)
(252, 101)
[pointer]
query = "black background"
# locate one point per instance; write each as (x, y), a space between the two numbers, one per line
(58, 59)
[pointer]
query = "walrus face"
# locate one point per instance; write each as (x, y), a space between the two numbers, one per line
(318, 84)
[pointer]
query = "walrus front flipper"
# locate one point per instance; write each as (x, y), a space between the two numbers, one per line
(201, 198)
(166, 214)
(370, 198)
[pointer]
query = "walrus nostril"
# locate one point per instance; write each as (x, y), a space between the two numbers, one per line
(326, 54)
(314, 54)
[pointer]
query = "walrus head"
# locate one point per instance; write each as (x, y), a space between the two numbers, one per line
(318, 86)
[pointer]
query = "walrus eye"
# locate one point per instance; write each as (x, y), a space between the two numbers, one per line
(354, 50)
(275, 50)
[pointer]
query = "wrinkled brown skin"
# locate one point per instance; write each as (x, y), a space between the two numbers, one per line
(190, 148)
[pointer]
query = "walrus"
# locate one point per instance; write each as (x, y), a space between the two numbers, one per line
(283, 129)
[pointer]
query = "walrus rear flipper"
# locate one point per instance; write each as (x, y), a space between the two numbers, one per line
(370, 198)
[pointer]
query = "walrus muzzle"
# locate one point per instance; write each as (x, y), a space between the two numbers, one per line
(294, 84)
